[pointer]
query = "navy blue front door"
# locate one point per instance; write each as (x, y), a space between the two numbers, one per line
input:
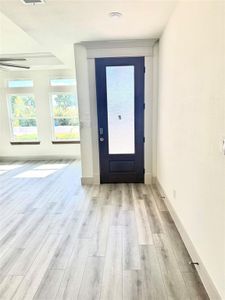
(120, 103)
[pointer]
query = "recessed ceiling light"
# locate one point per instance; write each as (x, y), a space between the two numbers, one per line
(115, 14)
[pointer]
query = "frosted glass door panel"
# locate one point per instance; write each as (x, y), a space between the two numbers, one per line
(120, 104)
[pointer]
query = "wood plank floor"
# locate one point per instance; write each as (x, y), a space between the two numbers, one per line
(61, 240)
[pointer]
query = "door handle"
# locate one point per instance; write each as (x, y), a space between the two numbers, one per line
(101, 131)
(101, 139)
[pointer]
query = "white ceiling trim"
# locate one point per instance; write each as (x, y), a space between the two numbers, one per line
(119, 48)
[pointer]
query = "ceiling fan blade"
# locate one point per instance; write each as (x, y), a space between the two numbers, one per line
(13, 66)
(12, 59)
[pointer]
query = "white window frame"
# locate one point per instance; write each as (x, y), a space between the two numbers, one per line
(52, 116)
(9, 106)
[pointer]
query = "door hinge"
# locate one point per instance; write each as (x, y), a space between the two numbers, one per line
(144, 171)
(143, 139)
(144, 105)
(144, 69)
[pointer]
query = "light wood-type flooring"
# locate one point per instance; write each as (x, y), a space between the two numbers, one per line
(61, 240)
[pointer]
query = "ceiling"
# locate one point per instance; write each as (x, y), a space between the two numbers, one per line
(58, 24)
(14, 42)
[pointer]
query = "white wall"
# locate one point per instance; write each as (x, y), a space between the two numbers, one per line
(84, 112)
(191, 127)
(154, 108)
(42, 92)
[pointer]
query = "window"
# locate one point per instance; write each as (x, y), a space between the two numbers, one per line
(62, 82)
(65, 117)
(20, 83)
(23, 118)
(120, 108)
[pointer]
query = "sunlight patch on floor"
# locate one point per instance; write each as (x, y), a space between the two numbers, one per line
(35, 174)
(2, 172)
(6, 168)
(51, 167)
(9, 167)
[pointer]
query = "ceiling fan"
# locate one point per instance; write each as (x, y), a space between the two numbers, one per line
(6, 63)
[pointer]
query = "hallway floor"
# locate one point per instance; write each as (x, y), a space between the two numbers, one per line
(61, 240)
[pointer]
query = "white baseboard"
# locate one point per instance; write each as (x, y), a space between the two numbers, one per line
(41, 157)
(86, 180)
(204, 275)
(96, 179)
(154, 180)
(148, 178)
(90, 180)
